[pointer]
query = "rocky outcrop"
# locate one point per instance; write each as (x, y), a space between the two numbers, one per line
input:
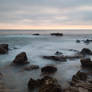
(3, 48)
(56, 34)
(46, 84)
(21, 59)
(86, 51)
(86, 62)
(49, 69)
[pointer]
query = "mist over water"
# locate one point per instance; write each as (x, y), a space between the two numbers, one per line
(35, 47)
(80, 31)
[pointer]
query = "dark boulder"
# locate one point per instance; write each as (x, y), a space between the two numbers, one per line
(49, 69)
(79, 76)
(86, 62)
(56, 34)
(21, 59)
(3, 51)
(3, 48)
(86, 51)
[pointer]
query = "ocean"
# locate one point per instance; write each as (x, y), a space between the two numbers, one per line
(80, 31)
(36, 47)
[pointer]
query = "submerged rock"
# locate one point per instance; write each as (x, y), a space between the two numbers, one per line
(31, 67)
(3, 48)
(46, 84)
(86, 51)
(86, 62)
(21, 59)
(56, 34)
(55, 58)
(49, 69)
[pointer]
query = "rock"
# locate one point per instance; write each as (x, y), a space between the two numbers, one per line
(32, 84)
(49, 69)
(21, 59)
(56, 34)
(50, 88)
(45, 84)
(79, 76)
(86, 51)
(86, 62)
(55, 58)
(78, 41)
(36, 34)
(31, 67)
(58, 53)
(3, 48)
(3, 51)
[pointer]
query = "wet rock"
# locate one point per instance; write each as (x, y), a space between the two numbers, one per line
(45, 84)
(3, 51)
(56, 34)
(32, 67)
(86, 62)
(86, 51)
(49, 69)
(3, 48)
(55, 58)
(32, 84)
(21, 59)
(36, 34)
(78, 41)
(58, 53)
(79, 76)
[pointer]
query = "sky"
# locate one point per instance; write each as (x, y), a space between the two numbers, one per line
(45, 14)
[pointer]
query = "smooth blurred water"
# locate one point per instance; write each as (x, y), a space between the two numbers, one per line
(35, 47)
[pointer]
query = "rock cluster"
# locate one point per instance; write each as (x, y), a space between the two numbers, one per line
(46, 84)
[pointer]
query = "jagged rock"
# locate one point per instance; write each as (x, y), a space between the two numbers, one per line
(49, 69)
(56, 34)
(79, 76)
(45, 84)
(21, 59)
(86, 51)
(3, 48)
(31, 67)
(86, 62)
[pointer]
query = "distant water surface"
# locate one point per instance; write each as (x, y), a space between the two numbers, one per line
(81, 31)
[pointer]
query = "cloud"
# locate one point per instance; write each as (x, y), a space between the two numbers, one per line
(46, 12)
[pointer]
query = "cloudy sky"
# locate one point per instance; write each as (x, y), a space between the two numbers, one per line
(45, 14)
